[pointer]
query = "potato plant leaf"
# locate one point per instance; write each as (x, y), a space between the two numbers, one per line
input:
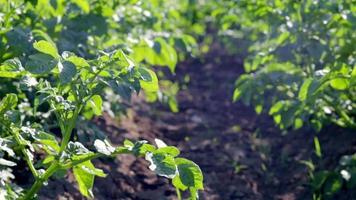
(67, 71)
(189, 175)
(149, 82)
(339, 83)
(84, 175)
(46, 48)
(40, 63)
(162, 164)
(303, 92)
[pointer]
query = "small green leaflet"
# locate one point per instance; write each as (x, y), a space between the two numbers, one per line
(96, 103)
(161, 53)
(189, 175)
(162, 164)
(67, 71)
(84, 175)
(149, 82)
(276, 108)
(77, 61)
(317, 147)
(303, 92)
(8, 103)
(11, 68)
(237, 94)
(46, 48)
(339, 83)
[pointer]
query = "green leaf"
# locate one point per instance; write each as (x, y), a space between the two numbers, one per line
(11, 68)
(173, 105)
(317, 147)
(145, 74)
(333, 184)
(353, 73)
(171, 150)
(303, 92)
(139, 148)
(189, 175)
(121, 88)
(298, 123)
(82, 4)
(123, 60)
(90, 169)
(258, 109)
(237, 94)
(8, 102)
(46, 48)
(13, 64)
(276, 108)
(162, 164)
(319, 179)
(84, 174)
(78, 61)
(48, 140)
(67, 71)
(7, 74)
(161, 53)
(150, 81)
(40, 63)
(96, 103)
(339, 83)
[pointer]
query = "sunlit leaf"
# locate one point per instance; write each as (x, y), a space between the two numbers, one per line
(46, 48)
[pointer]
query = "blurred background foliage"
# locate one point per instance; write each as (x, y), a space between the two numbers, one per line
(299, 56)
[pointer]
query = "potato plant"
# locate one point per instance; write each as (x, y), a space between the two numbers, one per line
(328, 183)
(61, 90)
(150, 32)
(301, 63)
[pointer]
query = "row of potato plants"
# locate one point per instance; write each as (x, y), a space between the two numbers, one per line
(64, 62)
(300, 68)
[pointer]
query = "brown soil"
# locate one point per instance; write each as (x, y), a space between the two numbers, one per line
(242, 155)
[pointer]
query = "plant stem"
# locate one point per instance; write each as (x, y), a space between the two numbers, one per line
(77, 162)
(179, 196)
(54, 166)
(39, 182)
(69, 129)
(89, 157)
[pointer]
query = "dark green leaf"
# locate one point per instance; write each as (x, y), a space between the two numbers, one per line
(67, 71)
(189, 175)
(162, 164)
(40, 64)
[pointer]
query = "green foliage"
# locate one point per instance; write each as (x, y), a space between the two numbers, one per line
(150, 32)
(328, 183)
(64, 62)
(301, 62)
(80, 95)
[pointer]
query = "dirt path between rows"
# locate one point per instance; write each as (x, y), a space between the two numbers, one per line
(242, 155)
